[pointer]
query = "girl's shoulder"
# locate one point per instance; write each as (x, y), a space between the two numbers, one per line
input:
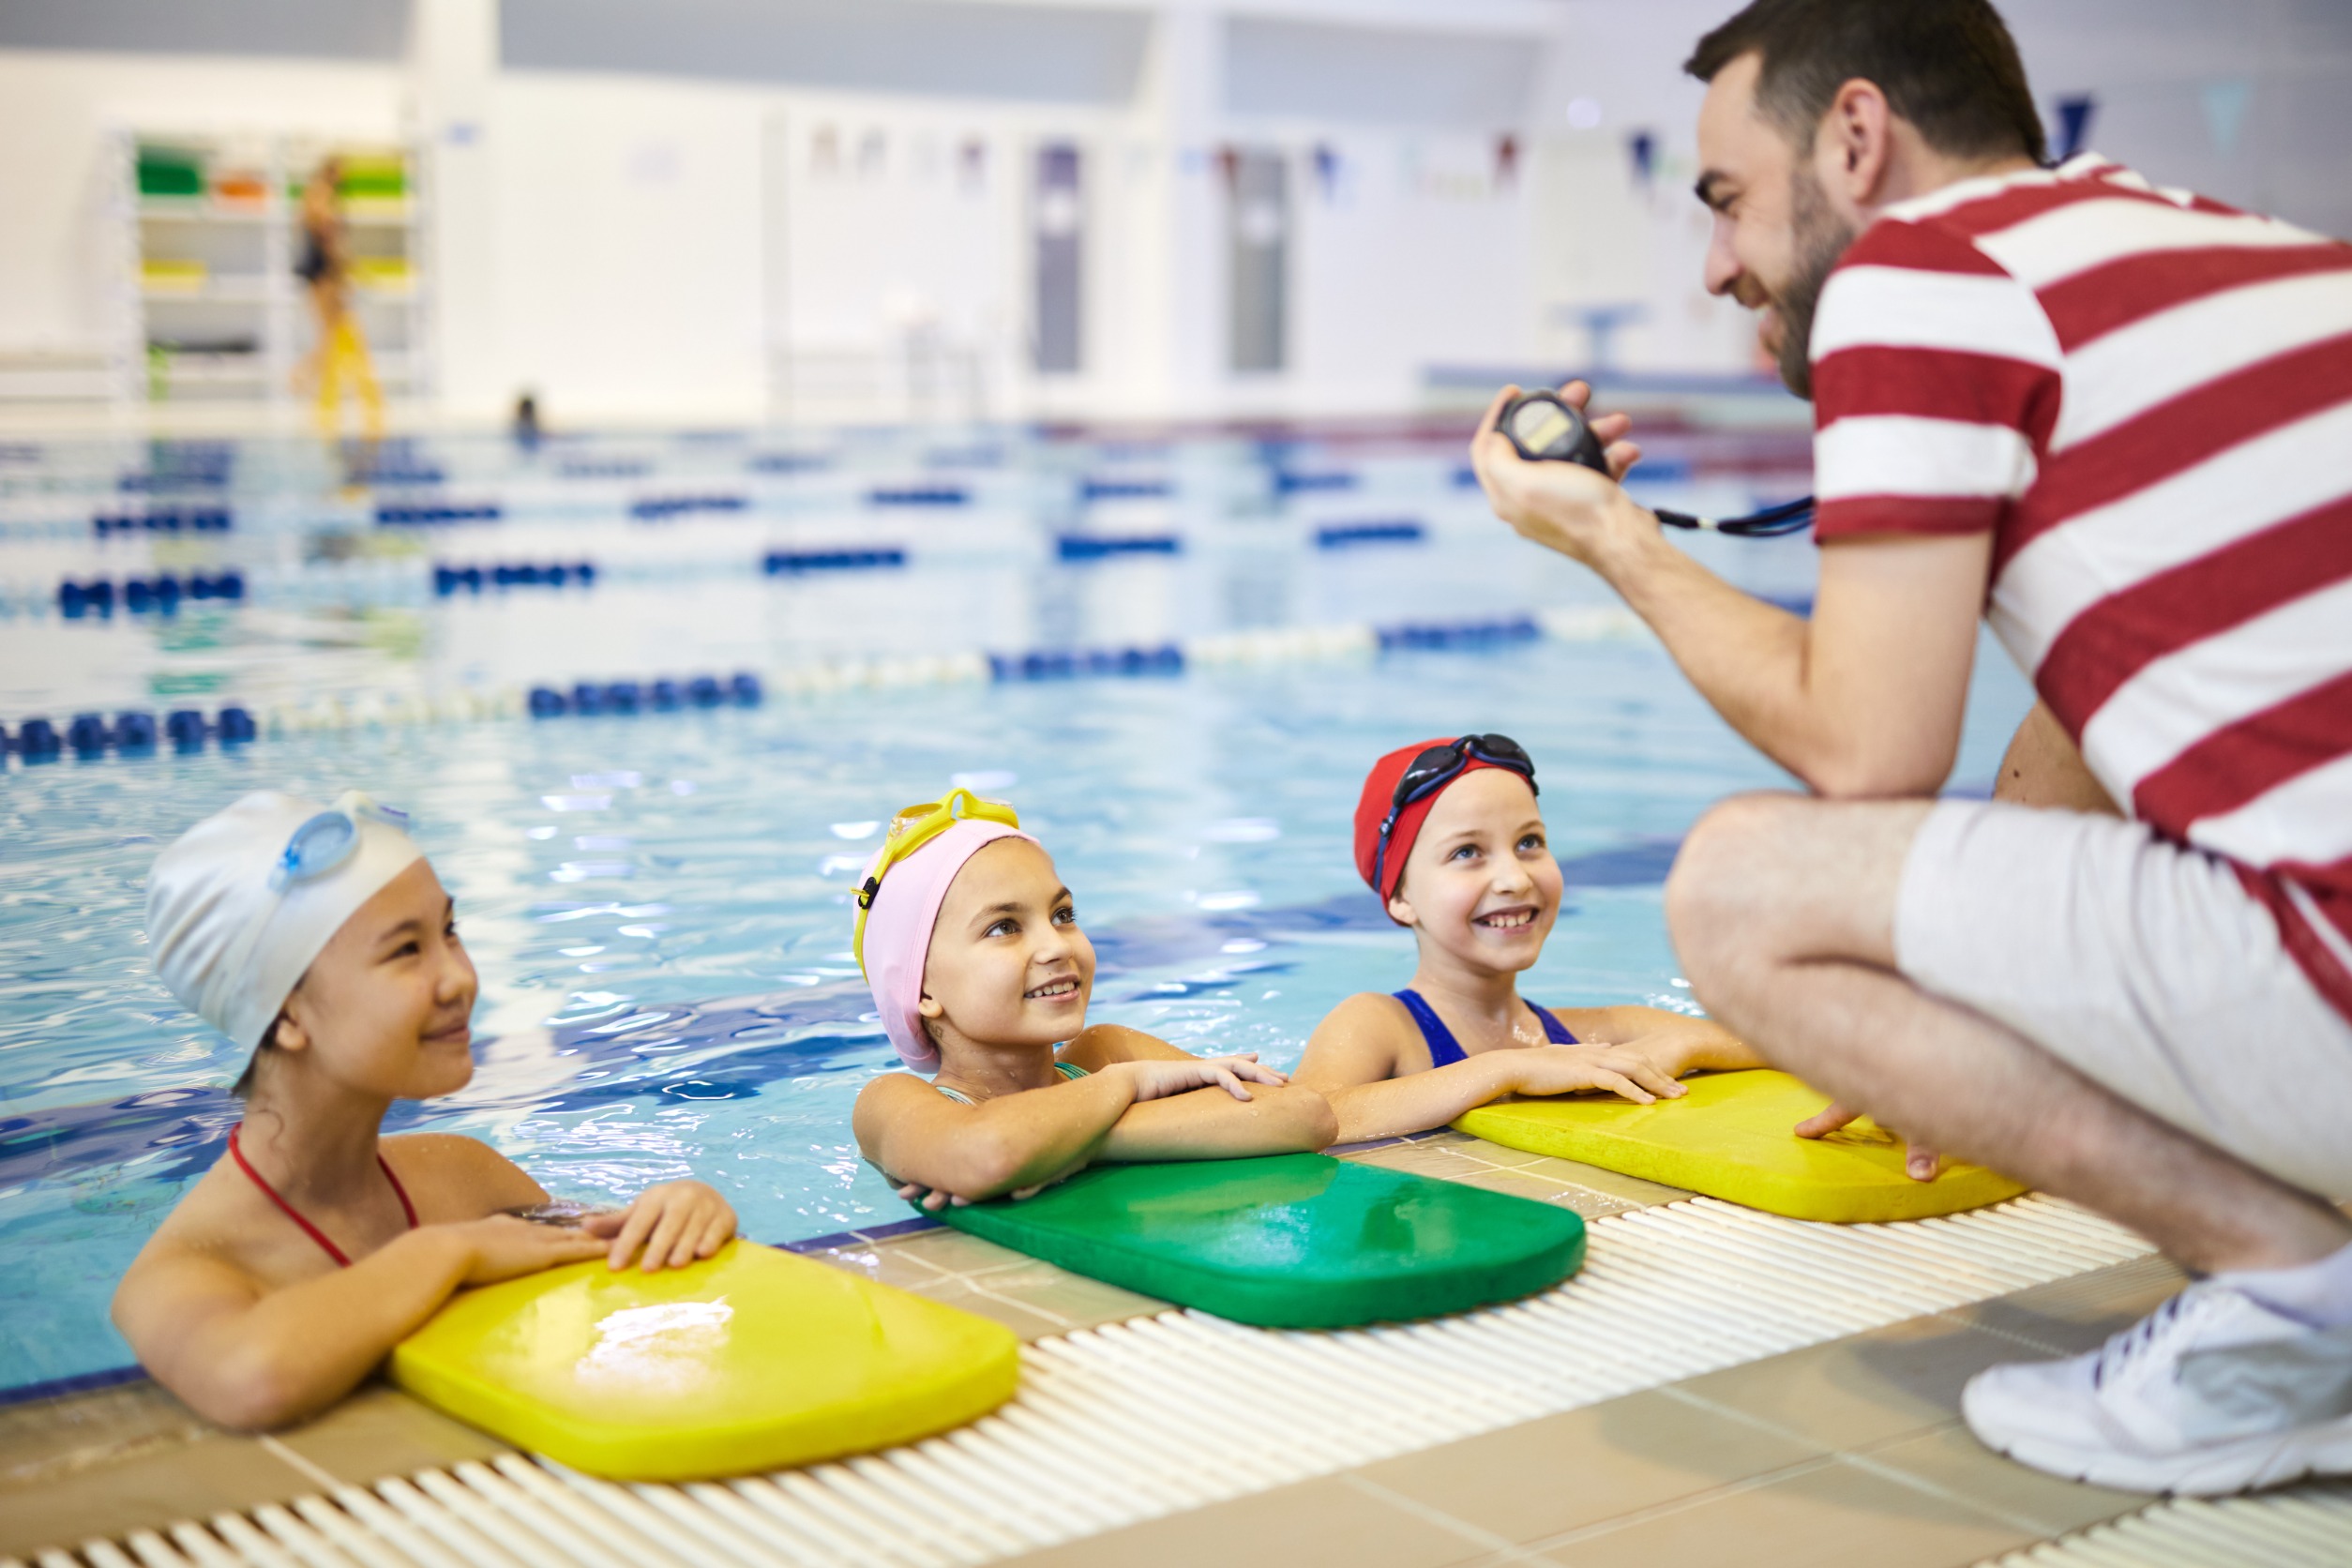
(1367, 1038)
(450, 1176)
(1378, 1011)
(1100, 1044)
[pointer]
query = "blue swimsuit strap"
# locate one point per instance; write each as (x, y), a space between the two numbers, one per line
(1444, 1050)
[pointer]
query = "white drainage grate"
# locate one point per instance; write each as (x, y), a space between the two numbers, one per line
(2309, 1528)
(1134, 1421)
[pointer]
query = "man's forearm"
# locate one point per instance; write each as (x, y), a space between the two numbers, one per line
(1746, 656)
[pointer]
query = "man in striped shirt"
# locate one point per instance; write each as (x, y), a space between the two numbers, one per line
(2118, 421)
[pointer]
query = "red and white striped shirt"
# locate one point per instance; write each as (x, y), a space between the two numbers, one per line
(2146, 399)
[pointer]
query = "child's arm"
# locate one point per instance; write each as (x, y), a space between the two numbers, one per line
(676, 1222)
(1352, 1053)
(246, 1356)
(1017, 1143)
(1201, 1124)
(1671, 1044)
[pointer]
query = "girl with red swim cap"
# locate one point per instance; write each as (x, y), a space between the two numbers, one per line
(1449, 835)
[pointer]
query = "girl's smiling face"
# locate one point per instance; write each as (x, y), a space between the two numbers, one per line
(1008, 965)
(1481, 882)
(385, 1008)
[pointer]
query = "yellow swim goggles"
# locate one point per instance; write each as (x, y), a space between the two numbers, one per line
(909, 830)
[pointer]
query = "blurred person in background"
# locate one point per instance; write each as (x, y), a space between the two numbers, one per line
(339, 349)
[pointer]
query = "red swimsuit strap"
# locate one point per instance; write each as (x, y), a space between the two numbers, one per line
(341, 1259)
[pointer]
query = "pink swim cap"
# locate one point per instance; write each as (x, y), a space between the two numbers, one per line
(898, 930)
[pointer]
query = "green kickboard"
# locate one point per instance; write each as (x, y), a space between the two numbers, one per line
(1733, 1136)
(1290, 1241)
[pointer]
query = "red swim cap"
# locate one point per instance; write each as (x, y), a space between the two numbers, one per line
(1372, 808)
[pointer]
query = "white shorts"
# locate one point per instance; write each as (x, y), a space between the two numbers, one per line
(2145, 966)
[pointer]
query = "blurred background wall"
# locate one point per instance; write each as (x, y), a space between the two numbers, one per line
(748, 209)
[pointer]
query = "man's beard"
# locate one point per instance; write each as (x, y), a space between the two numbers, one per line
(1821, 237)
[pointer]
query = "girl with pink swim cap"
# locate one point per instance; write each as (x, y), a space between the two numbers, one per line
(982, 974)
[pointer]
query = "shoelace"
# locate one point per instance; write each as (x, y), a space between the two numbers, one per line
(2120, 1351)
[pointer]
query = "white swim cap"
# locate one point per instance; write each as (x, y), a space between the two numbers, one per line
(242, 902)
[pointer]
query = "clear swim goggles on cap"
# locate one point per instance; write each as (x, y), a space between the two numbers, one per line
(327, 840)
(1439, 766)
(909, 830)
(317, 846)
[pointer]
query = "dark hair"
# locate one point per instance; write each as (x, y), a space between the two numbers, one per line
(1948, 67)
(243, 1088)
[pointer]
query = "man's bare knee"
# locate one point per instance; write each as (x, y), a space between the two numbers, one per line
(1723, 878)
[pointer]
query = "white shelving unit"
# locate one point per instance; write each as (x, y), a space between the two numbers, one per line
(208, 305)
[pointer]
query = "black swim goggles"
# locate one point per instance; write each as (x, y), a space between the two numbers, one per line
(1439, 766)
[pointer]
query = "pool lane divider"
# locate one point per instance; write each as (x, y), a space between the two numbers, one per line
(161, 594)
(473, 577)
(164, 519)
(38, 739)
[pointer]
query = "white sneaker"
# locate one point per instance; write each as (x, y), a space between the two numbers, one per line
(2214, 1393)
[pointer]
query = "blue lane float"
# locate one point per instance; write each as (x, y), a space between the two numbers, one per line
(449, 579)
(786, 463)
(182, 465)
(159, 595)
(1124, 490)
(164, 519)
(1099, 547)
(37, 741)
(392, 473)
(1291, 482)
(588, 699)
(918, 495)
(435, 514)
(658, 508)
(792, 563)
(132, 733)
(1345, 535)
(1458, 634)
(1062, 664)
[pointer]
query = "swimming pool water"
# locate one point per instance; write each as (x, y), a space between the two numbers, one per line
(659, 904)
(658, 908)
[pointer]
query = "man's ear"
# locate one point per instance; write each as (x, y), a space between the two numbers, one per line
(1856, 143)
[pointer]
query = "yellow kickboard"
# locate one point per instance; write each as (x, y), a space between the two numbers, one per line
(753, 1360)
(1731, 1138)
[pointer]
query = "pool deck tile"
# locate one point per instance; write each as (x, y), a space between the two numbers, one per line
(1329, 1520)
(145, 1487)
(1832, 1513)
(1885, 1384)
(1072, 1301)
(973, 1296)
(1953, 1461)
(884, 1262)
(2071, 1315)
(1563, 1472)
(381, 1431)
(951, 1252)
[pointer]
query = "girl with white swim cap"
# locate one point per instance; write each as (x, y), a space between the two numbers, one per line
(320, 939)
(982, 974)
